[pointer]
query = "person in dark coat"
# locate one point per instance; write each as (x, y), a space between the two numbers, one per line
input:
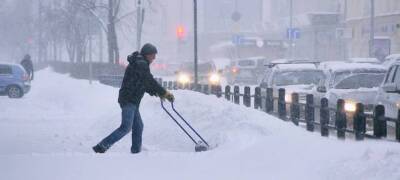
(28, 65)
(137, 81)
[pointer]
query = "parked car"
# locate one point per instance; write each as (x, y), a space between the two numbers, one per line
(296, 76)
(363, 60)
(389, 92)
(352, 82)
(14, 81)
(207, 73)
(246, 70)
(389, 60)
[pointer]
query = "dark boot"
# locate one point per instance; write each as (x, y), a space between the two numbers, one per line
(135, 151)
(99, 149)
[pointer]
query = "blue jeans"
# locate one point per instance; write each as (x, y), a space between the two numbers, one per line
(130, 120)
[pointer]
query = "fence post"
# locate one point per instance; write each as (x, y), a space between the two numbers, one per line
(236, 95)
(309, 112)
(324, 117)
(359, 122)
(281, 104)
(269, 101)
(228, 93)
(159, 80)
(170, 85)
(398, 126)
(295, 109)
(198, 88)
(165, 84)
(218, 91)
(379, 122)
(341, 121)
(257, 98)
(247, 96)
(175, 85)
(206, 89)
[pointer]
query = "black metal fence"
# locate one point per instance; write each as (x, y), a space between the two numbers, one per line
(313, 116)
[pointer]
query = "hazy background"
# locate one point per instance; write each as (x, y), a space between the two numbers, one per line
(76, 30)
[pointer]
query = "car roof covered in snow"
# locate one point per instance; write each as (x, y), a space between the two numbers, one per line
(348, 66)
(364, 60)
(296, 67)
(10, 64)
(393, 56)
(252, 58)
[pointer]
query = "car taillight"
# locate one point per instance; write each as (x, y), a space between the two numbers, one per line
(235, 70)
(25, 77)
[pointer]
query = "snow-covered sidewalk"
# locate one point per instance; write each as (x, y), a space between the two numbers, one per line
(49, 133)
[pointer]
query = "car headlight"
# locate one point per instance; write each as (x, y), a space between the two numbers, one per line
(349, 106)
(214, 78)
(183, 78)
(288, 98)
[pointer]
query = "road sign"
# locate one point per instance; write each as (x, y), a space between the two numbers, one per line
(237, 39)
(293, 33)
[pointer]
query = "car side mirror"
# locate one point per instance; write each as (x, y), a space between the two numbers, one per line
(321, 89)
(390, 88)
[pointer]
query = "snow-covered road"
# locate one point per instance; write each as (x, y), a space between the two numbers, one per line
(49, 133)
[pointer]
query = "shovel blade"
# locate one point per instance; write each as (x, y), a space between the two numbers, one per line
(200, 146)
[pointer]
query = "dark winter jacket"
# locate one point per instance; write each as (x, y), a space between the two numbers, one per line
(28, 66)
(138, 80)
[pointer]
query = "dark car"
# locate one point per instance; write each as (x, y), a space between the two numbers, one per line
(207, 73)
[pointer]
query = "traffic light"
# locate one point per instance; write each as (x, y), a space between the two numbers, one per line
(180, 32)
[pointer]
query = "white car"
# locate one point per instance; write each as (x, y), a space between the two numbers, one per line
(352, 82)
(303, 78)
(389, 60)
(389, 91)
(246, 70)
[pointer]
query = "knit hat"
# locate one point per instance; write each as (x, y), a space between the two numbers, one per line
(148, 49)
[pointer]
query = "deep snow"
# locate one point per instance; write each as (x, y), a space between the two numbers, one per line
(49, 133)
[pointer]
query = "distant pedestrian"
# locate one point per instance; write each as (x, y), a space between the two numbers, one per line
(28, 66)
(137, 80)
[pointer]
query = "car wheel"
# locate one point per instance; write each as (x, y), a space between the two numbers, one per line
(14, 92)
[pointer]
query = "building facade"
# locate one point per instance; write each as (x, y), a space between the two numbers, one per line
(318, 24)
(386, 28)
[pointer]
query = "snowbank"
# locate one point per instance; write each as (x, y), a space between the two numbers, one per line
(49, 133)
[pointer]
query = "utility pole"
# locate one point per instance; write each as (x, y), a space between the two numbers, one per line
(40, 34)
(372, 29)
(195, 42)
(344, 39)
(291, 29)
(138, 24)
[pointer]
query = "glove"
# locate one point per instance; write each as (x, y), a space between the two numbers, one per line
(169, 96)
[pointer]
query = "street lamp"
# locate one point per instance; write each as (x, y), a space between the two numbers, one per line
(372, 30)
(195, 43)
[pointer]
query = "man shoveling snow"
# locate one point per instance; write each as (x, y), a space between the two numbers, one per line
(137, 80)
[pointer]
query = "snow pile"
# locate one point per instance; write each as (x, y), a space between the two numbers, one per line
(48, 134)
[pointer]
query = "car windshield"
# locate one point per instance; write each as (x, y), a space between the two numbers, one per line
(202, 68)
(246, 63)
(360, 80)
(298, 78)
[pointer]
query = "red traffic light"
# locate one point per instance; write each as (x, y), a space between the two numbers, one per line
(180, 32)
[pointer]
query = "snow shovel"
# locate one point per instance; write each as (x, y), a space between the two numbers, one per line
(201, 145)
